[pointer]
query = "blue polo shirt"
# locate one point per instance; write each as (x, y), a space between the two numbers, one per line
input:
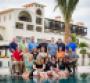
(13, 46)
(52, 49)
(71, 46)
(32, 45)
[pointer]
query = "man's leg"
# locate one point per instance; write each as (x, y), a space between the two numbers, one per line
(67, 65)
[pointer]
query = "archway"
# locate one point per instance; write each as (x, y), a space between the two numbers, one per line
(25, 16)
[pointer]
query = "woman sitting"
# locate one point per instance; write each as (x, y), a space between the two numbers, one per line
(42, 54)
(38, 65)
(28, 59)
(60, 54)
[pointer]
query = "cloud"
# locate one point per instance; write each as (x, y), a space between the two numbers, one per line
(84, 3)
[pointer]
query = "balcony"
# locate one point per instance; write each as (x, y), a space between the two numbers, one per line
(58, 27)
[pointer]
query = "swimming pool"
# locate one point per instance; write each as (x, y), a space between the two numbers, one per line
(71, 79)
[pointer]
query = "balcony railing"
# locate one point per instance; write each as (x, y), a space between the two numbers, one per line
(57, 26)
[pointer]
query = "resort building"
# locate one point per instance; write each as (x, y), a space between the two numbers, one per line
(29, 21)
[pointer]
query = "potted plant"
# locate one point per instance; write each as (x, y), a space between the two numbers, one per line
(83, 51)
(88, 54)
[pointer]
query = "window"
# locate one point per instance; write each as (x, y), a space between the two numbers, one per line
(1, 38)
(27, 39)
(85, 30)
(57, 24)
(19, 25)
(62, 26)
(73, 28)
(52, 24)
(39, 41)
(39, 20)
(19, 38)
(37, 5)
(29, 27)
(39, 12)
(38, 29)
(25, 16)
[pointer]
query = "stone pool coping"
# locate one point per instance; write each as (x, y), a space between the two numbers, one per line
(83, 69)
(80, 69)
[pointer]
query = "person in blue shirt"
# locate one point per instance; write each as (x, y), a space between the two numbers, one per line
(71, 45)
(52, 48)
(32, 44)
(13, 45)
(73, 57)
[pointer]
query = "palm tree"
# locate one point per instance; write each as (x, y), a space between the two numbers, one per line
(67, 8)
(83, 51)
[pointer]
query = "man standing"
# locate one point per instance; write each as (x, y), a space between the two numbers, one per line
(22, 45)
(61, 45)
(52, 48)
(71, 46)
(13, 45)
(71, 50)
(43, 44)
(32, 44)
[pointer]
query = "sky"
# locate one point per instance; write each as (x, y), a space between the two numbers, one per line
(81, 14)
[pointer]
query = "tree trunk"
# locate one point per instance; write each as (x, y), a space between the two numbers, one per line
(89, 62)
(67, 31)
(83, 63)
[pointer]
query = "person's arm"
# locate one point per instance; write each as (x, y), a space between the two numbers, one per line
(43, 66)
(46, 55)
(28, 46)
(48, 48)
(34, 67)
(37, 45)
(13, 58)
(74, 59)
(57, 65)
(57, 56)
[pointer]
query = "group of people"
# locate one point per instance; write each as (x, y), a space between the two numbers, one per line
(45, 59)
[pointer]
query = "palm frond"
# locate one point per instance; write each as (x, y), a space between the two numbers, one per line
(67, 8)
(71, 6)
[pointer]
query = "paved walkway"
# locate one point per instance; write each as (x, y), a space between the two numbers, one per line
(4, 71)
(83, 69)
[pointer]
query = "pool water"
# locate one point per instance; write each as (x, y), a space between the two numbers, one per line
(72, 79)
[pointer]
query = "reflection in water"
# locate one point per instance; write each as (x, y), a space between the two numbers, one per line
(72, 79)
(14, 80)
